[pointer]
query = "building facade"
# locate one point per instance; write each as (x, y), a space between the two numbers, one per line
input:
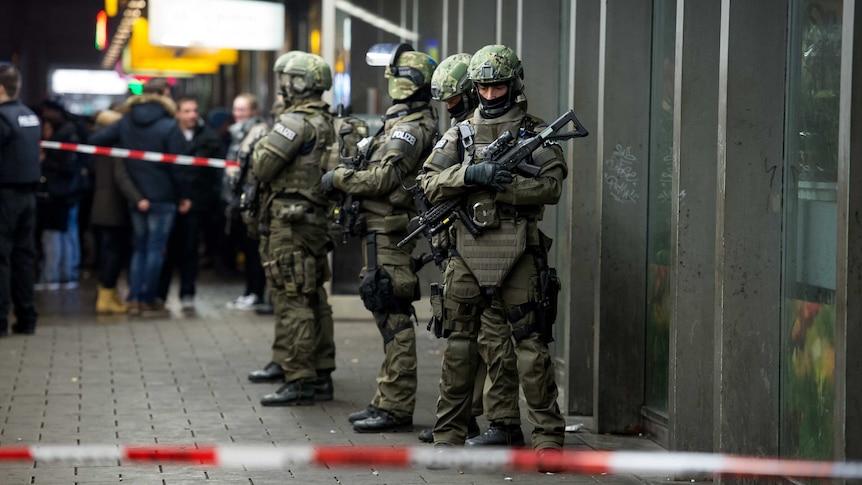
(709, 231)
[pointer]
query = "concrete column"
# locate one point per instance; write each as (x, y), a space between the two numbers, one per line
(622, 135)
(580, 267)
(848, 332)
(693, 225)
(748, 229)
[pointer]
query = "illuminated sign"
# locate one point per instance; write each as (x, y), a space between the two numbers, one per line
(83, 81)
(229, 24)
(101, 30)
(142, 58)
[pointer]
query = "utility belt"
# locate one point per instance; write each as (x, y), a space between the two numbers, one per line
(451, 316)
(487, 213)
(294, 208)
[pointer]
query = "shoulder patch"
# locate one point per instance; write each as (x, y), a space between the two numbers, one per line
(403, 135)
(284, 131)
(441, 144)
(28, 121)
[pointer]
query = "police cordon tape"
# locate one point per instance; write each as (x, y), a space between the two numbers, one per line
(140, 155)
(576, 462)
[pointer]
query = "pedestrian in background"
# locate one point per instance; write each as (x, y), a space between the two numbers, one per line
(20, 131)
(184, 242)
(111, 221)
(150, 126)
(62, 184)
(248, 127)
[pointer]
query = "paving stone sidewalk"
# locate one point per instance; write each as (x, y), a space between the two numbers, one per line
(90, 380)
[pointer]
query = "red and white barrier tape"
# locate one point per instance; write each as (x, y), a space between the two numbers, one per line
(140, 154)
(578, 462)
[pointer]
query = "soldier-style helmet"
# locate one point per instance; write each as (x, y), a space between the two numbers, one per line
(306, 74)
(494, 64)
(281, 61)
(410, 72)
(451, 78)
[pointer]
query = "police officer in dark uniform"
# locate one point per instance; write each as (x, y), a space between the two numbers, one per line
(20, 132)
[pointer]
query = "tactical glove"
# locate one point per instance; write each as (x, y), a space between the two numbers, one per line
(326, 182)
(487, 174)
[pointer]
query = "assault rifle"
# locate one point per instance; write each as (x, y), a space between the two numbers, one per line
(346, 211)
(516, 157)
(511, 156)
(423, 206)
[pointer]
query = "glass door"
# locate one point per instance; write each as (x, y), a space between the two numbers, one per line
(659, 209)
(807, 392)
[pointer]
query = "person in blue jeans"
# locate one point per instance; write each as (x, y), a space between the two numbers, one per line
(59, 194)
(61, 252)
(162, 188)
(151, 227)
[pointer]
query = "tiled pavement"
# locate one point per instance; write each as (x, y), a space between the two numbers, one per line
(88, 380)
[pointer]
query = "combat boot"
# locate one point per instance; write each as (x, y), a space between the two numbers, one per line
(364, 414)
(323, 388)
(499, 435)
(108, 301)
(382, 422)
(294, 393)
(427, 434)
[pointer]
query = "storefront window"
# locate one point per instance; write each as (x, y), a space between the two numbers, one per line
(810, 222)
(660, 183)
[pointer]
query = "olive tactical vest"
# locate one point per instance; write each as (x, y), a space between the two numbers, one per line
(491, 255)
(302, 176)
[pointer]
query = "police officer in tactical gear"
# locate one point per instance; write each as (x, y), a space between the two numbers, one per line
(272, 372)
(20, 132)
(389, 283)
(492, 277)
(452, 86)
(294, 239)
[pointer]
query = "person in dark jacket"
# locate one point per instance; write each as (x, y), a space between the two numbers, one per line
(20, 131)
(205, 183)
(112, 187)
(63, 183)
(149, 125)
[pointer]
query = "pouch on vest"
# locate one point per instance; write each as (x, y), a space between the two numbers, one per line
(491, 256)
(438, 312)
(375, 290)
(290, 210)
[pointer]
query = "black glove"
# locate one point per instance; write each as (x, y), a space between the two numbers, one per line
(487, 174)
(326, 182)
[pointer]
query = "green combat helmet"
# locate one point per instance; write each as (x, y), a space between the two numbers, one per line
(306, 74)
(278, 66)
(495, 64)
(451, 79)
(411, 72)
(278, 69)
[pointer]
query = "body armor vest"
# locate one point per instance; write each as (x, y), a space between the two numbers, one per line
(19, 155)
(492, 255)
(302, 176)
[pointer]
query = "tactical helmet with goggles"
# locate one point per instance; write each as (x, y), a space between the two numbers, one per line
(497, 64)
(306, 74)
(451, 79)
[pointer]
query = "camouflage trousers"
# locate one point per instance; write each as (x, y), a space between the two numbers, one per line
(480, 329)
(396, 379)
(296, 267)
